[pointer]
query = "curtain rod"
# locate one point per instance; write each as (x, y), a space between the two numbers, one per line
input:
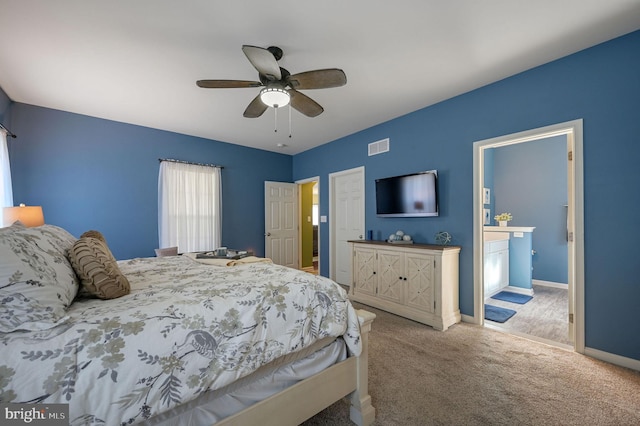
(8, 131)
(189, 162)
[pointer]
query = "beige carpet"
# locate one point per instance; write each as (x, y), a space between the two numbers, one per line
(470, 375)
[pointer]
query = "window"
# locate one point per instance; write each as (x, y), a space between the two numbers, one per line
(189, 206)
(6, 194)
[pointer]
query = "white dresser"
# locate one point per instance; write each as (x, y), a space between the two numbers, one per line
(416, 281)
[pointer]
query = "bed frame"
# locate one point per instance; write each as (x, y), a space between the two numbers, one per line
(303, 400)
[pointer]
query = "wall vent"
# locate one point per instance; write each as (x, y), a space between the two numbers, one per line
(379, 147)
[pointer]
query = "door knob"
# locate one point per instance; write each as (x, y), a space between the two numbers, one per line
(360, 236)
(268, 234)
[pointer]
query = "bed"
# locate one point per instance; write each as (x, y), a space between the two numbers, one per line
(171, 340)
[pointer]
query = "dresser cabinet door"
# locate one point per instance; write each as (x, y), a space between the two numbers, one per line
(420, 285)
(365, 271)
(391, 275)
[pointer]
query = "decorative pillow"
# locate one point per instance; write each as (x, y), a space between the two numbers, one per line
(94, 234)
(37, 282)
(97, 269)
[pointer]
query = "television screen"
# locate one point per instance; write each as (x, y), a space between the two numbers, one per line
(413, 195)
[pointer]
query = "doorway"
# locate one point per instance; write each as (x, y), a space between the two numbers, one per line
(292, 236)
(309, 191)
(573, 210)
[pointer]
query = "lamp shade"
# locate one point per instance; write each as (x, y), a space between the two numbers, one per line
(28, 215)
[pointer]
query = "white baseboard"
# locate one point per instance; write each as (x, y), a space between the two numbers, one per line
(550, 284)
(622, 361)
(470, 319)
(519, 290)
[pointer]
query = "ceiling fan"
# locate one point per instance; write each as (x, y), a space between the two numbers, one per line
(280, 86)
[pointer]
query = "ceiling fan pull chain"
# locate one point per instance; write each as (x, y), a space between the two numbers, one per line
(289, 121)
(275, 119)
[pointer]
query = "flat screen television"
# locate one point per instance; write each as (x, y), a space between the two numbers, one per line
(414, 195)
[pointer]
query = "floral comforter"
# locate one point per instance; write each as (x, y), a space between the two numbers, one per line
(185, 328)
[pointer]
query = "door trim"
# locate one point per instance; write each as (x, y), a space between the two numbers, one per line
(573, 130)
(332, 203)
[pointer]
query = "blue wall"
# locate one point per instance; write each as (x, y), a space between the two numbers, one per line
(520, 261)
(489, 183)
(89, 173)
(599, 85)
(530, 182)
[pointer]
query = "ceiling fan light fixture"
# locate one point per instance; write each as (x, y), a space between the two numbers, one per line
(274, 97)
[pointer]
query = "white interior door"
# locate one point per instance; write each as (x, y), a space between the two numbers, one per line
(281, 223)
(347, 219)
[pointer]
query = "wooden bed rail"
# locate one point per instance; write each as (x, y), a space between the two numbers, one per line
(308, 397)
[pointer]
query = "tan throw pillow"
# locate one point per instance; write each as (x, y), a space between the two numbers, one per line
(94, 234)
(97, 269)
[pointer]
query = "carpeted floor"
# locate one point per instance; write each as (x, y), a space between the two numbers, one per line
(471, 375)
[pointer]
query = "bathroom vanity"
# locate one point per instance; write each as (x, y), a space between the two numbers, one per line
(508, 259)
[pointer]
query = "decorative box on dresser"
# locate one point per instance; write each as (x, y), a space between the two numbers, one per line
(416, 281)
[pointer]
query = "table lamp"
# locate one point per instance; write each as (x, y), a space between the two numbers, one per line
(28, 215)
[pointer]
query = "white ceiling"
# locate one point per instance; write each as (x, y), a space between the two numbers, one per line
(137, 61)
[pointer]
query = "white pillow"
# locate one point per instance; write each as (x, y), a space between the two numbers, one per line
(37, 282)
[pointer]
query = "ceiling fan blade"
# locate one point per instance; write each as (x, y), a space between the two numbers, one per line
(264, 61)
(305, 104)
(227, 84)
(318, 79)
(255, 109)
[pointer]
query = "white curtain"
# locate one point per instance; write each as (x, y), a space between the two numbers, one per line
(6, 193)
(189, 206)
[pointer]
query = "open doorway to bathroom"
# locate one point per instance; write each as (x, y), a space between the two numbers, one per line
(309, 225)
(529, 273)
